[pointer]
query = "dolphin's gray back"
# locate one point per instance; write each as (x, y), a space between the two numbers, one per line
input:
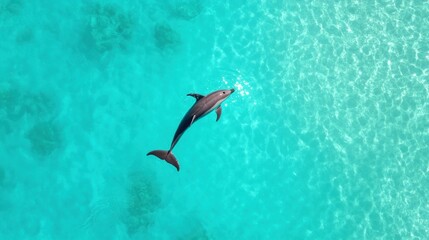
(200, 108)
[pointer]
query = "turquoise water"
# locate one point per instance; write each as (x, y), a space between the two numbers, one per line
(326, 136)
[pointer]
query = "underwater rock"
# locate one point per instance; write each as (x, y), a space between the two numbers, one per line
(109, 26)
(44, 138)
(165, 36)
(142, 201)
(187, 10)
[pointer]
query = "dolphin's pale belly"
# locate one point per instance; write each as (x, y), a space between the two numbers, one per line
(217, 104)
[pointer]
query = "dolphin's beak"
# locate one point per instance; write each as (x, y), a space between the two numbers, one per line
(232, 90)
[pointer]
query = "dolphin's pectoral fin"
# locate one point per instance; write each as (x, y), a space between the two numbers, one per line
(193, 119)
(195, 95)
(218, 113)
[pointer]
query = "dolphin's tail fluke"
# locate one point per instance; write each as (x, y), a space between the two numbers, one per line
(167, 156)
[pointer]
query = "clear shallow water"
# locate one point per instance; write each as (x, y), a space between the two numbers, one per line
(326, 137)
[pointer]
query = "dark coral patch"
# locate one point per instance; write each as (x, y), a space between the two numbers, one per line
(165, 36)
(44, 138)
(11, 7)
(16, 103)
(109, 26)
(187, 10)
(142, 201)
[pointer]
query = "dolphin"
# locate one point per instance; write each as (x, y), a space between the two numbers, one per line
(202, 106)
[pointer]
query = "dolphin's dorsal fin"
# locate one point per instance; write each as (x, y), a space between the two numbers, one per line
(218, 113)
(195, 95)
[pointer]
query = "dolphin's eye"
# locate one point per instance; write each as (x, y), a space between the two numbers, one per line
(223, 92)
